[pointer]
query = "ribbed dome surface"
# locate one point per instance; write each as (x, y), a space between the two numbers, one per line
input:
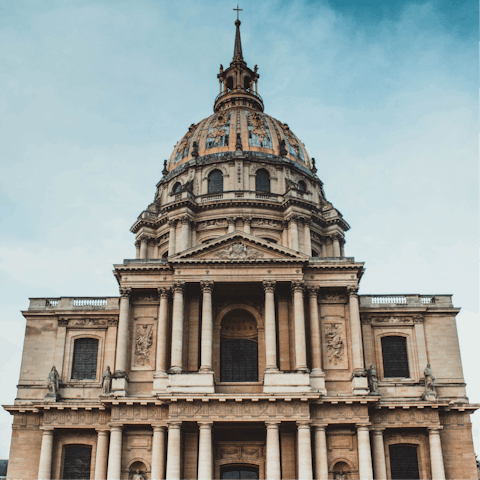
(258, 131)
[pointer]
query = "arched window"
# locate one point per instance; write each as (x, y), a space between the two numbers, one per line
(229, 83)
(239, 348)
(215, 182)
(404, 462)
(239, 472)
(85, 351)
(76, 463)
(262, 181)
(395, 359)
(302, 186)
(177, 187)
(246, 82)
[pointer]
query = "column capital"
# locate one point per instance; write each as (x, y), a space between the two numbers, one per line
(322, 426)
(163, 292)
(247, 220)
(294, 218)
(377, 430)
(304, 424)
(206, 286)
(273, 424)
(285, 224)
(47, 430)
(185, 219)
(125, 292)
(144, 238)
(159, 428)
(352, 290)
(137, 243)
(116, 428)
(313, 291)
(102, 431)
(232, 220)
(179, 287)
(307, 220)
(172, 222)
(298, 286)
(174, 424)
(269, 286)
(363, 426)
(336, 236)
(435, 430)
(207, 425)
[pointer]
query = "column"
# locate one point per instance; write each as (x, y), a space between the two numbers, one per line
(173, 451)
(364, 454)
(172, 238)
(304, 443)
(307, 240)
(137, 249)
(293, 244)
(123, 321)
(162, 331)
(193, 234)
(355, 330)
(185, 233)
(378, 454)
(101, 456)
(115, 454)
(436, 456)
(143, 247)
(207, 328)
(45, 464)
(231, 224)
(321, 460)
(285, 234)
(324, 248)
(247, 224)
(299, 324)
(158, 453)
(315, 336)
(270, 328)
(342, 247)
(205, 452)
(336, 245)
(273, 451)
(177, 328)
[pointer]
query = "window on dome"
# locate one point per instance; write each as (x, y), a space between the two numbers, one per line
(395, 359)
(302, 186)
(229, 83)
(85, 353)
(215, 182)
(177, 187)
(246, 82)
(262, 181)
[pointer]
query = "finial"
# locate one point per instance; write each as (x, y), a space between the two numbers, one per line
(238, 10)
(237, 51)
(164, 171)
(314, 168)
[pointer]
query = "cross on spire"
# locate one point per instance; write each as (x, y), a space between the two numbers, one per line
(238, 10)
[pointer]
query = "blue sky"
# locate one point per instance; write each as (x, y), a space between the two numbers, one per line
(95, 94)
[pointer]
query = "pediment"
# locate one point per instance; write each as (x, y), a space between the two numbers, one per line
(238, 247)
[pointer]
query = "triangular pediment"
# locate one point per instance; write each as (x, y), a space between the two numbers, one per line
(239, 247)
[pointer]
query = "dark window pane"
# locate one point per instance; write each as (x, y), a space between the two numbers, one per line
(302, 186)
(85, 359)
(76, 464)
(177, 187)
(239, 361)
(262, 181)
(215, 182)
(235, 472)
(395, 360)
(404, 462)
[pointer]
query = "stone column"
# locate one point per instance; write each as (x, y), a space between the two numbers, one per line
(122, 341)
(336, 245)
(364, 453)
(270, 328)
(378, 453)
(45, 464)
(305, 471)
(101, 456)
(299, 322)
(293, 244)
(356, 331)
(173, 451)
(115, 454)
(193, 233)
(172, 238)
(143, 247)
(137, 249)
(273, 451)
(185, 233)
(232, 221)
(162, 331)
(206, 357)
(321, 460)
(247, 224)
(158, 453)
(307, 241)
(342, 247)
(436, 456)
(205, 451)
(315, 336)
(177, 328)
(324, 248)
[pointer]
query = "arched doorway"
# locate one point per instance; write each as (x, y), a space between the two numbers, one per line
(239, 472)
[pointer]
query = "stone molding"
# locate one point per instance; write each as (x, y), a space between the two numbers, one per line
(269, 286)
(88, 322)
(392, 320)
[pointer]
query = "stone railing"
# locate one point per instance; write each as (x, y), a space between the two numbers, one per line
(235, 195)
(74, 303)
(408, 300)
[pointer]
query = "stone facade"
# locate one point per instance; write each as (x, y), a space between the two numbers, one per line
(241, 252)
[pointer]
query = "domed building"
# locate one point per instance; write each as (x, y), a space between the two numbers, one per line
(239, 346)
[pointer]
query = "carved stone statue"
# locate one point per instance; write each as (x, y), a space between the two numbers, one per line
(430, 393)
(195, 150)
(255, 69)
(373, 380)
(340, 475)
(334, 344)
(53, 384)
(283, 148)
(106, 381)
(137, 475)
(143, 343)
(221, 68)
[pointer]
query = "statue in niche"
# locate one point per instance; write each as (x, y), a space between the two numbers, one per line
(137, 475)
(143, 343)
(430, 393)
(372, 380)
(106, 381)
(340, 475)
(53, 384)
(334, 343)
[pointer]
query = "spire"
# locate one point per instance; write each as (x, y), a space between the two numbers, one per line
(237, 51)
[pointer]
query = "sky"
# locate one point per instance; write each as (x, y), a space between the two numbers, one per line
(95, 94)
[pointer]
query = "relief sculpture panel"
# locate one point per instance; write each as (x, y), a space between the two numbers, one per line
(143, 348)
(335, 353)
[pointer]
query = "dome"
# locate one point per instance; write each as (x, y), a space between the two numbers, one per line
(238, 125)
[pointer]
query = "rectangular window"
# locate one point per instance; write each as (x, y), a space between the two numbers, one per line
(404, 462)
(77, 460)
(395, 359)
(85, 352)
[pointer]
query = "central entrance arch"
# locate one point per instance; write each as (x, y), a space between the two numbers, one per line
(239, 472)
